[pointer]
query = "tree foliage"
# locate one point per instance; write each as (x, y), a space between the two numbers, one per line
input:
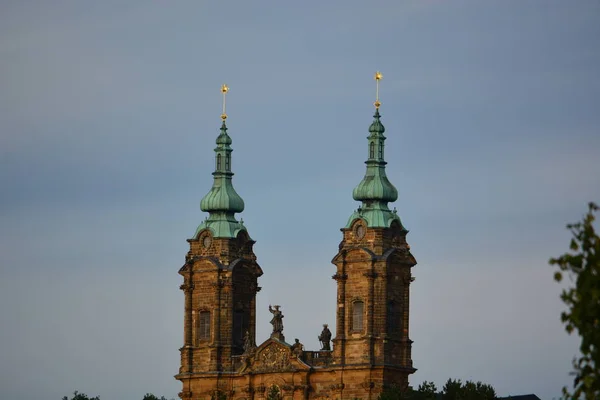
(582, 265)
(427, 391)
(453, 390)
(80, 396)
(150, 396)
(456, 390)
(392, 393)
(83, 396)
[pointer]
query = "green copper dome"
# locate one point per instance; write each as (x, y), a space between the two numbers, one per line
(376, 127)
(222, 201)
(375, 186)
(223, 138)
(222, 197)
(375, 190)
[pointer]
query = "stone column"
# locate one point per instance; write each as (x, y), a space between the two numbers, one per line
(188, 343)
(339, 349)
(371, 275)
(215, 364)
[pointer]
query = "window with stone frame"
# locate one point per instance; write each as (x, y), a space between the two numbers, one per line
(358, 308)
(393, 317)
(204, 325)
(238, 327)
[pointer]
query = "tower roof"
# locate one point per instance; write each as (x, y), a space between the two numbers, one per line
(375, 186)
(222, 201)
(222, 195)
(375, 190)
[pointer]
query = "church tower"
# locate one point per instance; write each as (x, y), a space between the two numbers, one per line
(220, 277)
(220, 359)
(373, 278)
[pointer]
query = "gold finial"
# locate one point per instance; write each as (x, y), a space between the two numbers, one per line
(378, 77)
(224, 90)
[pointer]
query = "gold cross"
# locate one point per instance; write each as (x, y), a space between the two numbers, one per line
(224, 90)
(378, 77)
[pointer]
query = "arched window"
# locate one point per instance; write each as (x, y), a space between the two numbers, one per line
(227, 162)
(358, 308)
(204, 325)
(381, 151)
(218, 162)
(372, 150)
(238, 327)
(393, 317)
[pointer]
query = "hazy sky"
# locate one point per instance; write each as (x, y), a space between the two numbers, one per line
(108, 115)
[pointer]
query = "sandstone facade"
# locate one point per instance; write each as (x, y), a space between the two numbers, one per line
(220, 278)
(371, 345)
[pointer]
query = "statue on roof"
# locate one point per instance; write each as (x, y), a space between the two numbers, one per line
(325, 338)
(297, 348)
(277, 320)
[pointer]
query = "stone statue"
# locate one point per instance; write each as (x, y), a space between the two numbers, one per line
(297, 348)
(277, 320)
(248, 344)
(325, 338)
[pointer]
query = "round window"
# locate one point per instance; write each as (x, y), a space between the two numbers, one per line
(360, 231)
(206, 241)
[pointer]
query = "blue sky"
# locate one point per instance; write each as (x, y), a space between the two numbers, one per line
(108, 116)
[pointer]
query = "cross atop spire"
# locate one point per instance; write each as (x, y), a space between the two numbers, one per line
(224, 90)
(375, 191)
(222, 202)
(378, 77)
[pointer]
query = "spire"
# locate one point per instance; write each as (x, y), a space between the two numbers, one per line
(375, 191)
(222, 202)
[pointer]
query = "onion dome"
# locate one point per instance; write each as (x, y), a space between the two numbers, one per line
(375, 186)
(375, 190)
(222, 195)
(222, 201)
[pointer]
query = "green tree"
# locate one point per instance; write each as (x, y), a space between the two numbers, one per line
(486, 391)
(81, 396)
(582, 265)
(393, 393)
(150, 396)
(452, 390)
(456, 390)
(426, 391)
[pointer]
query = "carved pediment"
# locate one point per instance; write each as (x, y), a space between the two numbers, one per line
(273, 356)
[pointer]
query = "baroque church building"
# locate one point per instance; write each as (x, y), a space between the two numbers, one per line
(370, 348)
